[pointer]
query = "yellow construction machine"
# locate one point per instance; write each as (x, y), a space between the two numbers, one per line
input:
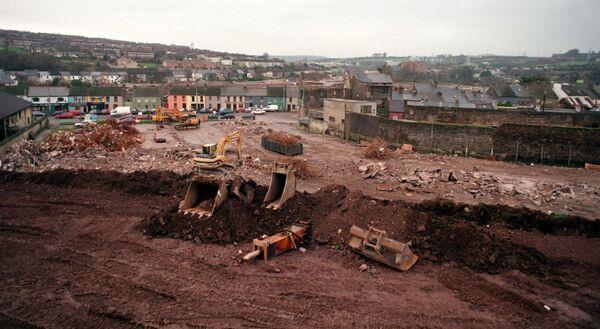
(213, 156)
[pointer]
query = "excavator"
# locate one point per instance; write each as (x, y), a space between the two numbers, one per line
(213, 156)
(164, 115)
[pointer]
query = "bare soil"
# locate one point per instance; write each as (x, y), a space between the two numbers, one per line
(74, 255)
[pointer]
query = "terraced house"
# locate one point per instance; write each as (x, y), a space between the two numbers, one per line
(95, 98)
(48, 99)
(235, 97)
(145, 98)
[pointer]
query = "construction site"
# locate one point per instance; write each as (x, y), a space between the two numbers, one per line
(260, 223)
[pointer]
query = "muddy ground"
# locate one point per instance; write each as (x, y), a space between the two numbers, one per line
(77, 252)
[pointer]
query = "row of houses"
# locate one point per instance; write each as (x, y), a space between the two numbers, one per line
(235, 97)
(50, 99)
(36, 77)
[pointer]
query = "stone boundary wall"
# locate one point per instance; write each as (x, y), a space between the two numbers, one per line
(494, 117)
(510, 142)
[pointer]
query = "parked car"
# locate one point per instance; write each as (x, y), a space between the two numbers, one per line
(203, 111)
(68, 115)
(226, 113)
(248, 116)
(249, 109)
(258, 112)
(38, 114)
(59, 112)
(128, 120)
(271, 108)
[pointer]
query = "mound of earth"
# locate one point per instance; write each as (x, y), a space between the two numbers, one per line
(453, 237)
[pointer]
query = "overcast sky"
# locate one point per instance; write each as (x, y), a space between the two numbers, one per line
(341, 28)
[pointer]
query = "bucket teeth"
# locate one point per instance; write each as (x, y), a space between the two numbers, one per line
(204, 196)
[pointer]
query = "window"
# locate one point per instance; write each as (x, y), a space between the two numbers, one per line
(290, 100)
(60, 99)
(332, 119)
(366, 109)
(116, 99)
(35, 99)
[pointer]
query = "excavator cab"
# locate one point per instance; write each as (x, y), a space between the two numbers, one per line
(282, 187)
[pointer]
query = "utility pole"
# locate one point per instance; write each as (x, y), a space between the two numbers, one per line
(544, 101)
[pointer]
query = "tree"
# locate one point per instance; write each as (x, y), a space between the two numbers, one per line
(265, 55)
(485, 74)
(533, 78)
(55, 81)
(461, 74)
(572, 52)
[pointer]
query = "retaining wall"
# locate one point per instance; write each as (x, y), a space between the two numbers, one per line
(499, 117)
(512, 142)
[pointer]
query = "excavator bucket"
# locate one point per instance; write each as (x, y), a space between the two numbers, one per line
(204, 197)
(374, 244)
(282, 187)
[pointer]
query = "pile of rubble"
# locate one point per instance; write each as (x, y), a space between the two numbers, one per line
(24, 154)
(90, 141)
(377, 150)
(110, 136)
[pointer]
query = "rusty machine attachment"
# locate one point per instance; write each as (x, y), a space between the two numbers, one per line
(282, 187)
(204, 196)
(374, 244)
(290, 238)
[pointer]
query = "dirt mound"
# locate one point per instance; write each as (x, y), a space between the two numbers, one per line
(333, 210)
(514, 218)
(463, 242)
(164, 183)
(234, 221)
(300, 167)
(377, 150)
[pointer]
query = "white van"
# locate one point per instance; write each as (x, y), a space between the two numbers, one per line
(271, 108)
(120, 111)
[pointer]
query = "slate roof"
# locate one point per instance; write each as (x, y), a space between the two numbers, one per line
(146, 92)
(48, 91)
(10, 104)
(379, 78)
(96, 91)
(232, 91)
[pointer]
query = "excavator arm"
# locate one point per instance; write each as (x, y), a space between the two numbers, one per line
(220, 159)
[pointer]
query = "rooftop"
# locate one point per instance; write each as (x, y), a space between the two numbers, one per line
(10, 104)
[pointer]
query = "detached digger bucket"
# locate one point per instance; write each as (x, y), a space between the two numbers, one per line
(282, 187)
(374, 244)
(204, 197)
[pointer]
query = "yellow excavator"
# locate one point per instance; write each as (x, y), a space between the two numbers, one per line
(213, 156)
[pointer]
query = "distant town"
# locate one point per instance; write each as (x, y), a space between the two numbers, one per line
(93, 74)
